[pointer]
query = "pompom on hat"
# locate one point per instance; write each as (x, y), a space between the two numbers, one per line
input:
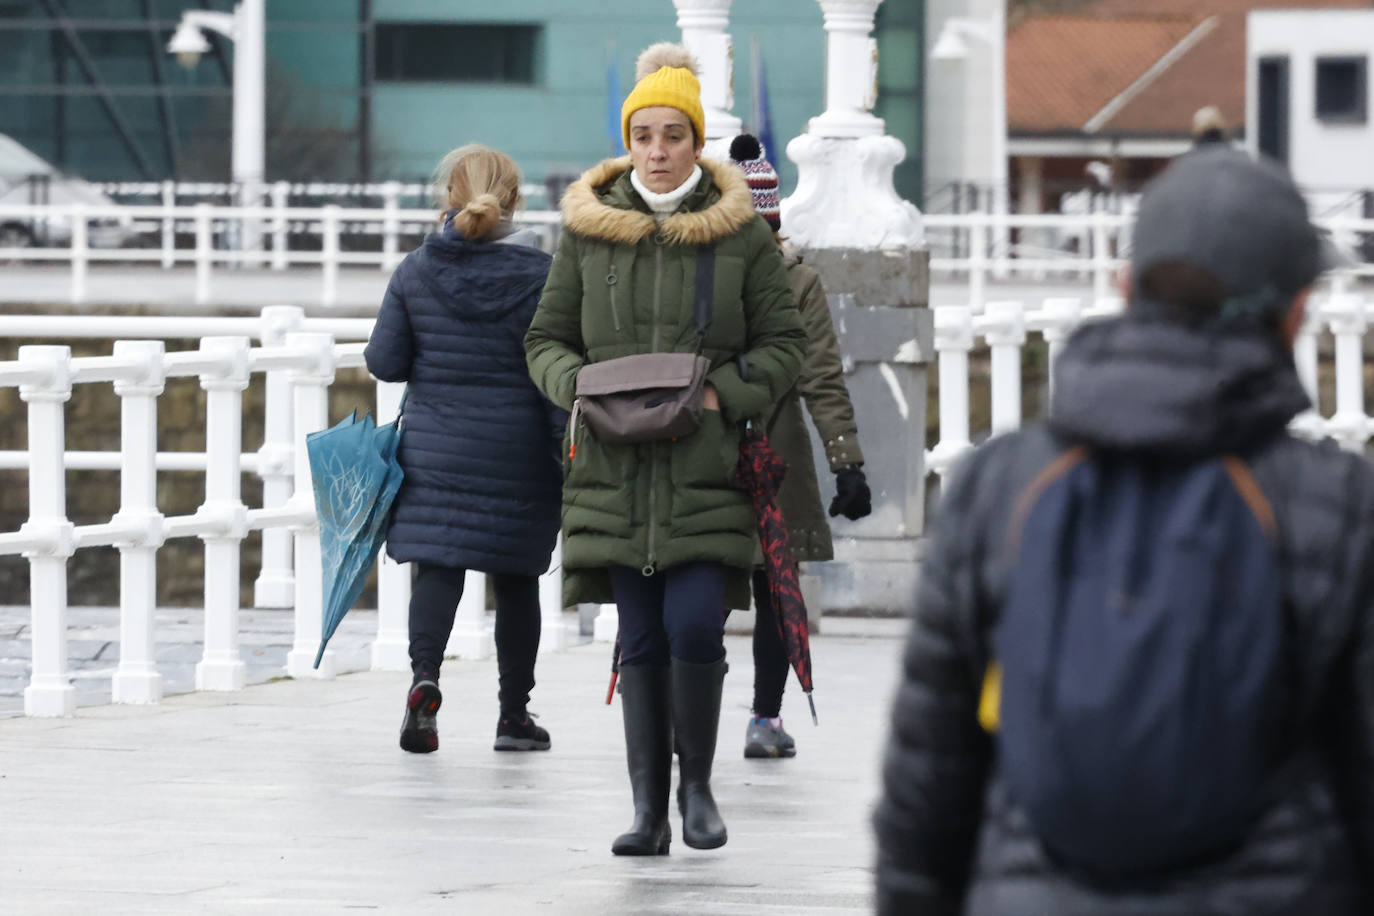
(666, 75)
(748, 154)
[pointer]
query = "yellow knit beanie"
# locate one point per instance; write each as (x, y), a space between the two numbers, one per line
(666, 75)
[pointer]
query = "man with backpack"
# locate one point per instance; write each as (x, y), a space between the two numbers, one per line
(1140, 678)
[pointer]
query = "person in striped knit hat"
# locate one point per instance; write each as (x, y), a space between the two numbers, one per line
(822, 386)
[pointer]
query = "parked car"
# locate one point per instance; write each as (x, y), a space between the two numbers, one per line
(26, 178)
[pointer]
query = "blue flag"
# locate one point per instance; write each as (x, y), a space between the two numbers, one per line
(763, 119)
(614, 134)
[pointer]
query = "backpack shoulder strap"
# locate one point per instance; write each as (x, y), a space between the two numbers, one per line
(1249, 489)
(1064, 462)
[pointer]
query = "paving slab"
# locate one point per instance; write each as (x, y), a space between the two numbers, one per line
(293, 797)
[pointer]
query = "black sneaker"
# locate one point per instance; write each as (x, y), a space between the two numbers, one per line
(520, 734)
(419, 731)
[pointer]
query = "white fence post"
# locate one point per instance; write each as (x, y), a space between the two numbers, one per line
(275, 585)
(553, 635)
(606, 626)
(50, 692)
(391, 226)
(204, 246)
(222, 668)
(1062, 316)
(471, 638)
(310, 396)
(1004, 326)
(1102, 262)
(280, 195)
(81, 252)
(953, 341)
(391, 650)
(137, 680)
(977, 261)
(169, 227)
(329, 255)
(1349, 426)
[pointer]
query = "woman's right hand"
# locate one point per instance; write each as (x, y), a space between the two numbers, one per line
(709, 399)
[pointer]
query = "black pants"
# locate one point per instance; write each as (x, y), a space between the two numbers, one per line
(433, 604)
(675, 613)
(770, 657)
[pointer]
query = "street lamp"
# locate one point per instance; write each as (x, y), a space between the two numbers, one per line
(246, 27)
(952, 44)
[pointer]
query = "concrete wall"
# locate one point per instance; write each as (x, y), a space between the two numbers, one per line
(1329, 159)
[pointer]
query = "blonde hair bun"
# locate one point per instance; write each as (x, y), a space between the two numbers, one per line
(664, 54)
(481, 184)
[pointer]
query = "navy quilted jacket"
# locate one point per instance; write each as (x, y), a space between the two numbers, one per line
(479, 445)
(952, 840)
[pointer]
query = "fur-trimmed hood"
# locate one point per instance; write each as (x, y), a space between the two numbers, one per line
(586, 209)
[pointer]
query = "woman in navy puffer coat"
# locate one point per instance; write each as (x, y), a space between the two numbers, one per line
(479, 446)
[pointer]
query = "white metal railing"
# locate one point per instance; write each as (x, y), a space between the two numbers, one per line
(1003, 327)
(977, 247)
(207, 224)
(299, 366)
(171, 193)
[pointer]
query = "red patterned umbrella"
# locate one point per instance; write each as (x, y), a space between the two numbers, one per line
(760, 474)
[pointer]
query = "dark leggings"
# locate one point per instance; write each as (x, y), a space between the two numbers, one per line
(433, 604)
(675, 613)
(770, 658)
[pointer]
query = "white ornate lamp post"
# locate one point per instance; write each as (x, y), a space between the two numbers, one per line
(704, 24)
(845, 197)
(952, 45)
(246, 27)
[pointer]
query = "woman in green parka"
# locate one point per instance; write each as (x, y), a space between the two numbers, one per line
(661, 528)
(821, 385)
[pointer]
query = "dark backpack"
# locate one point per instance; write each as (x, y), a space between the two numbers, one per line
(1140, 646)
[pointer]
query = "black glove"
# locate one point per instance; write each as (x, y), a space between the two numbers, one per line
(852, 497)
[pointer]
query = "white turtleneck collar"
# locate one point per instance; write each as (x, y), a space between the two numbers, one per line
(667, 203)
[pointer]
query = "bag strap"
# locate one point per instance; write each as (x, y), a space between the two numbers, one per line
(401, 407)
(705, 289)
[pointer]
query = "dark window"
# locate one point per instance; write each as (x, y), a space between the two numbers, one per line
(1341, 85)
(449, 52)
(1273, 107)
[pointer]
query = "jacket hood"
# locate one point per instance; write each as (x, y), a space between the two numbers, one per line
(602, 204)
(1158, 387)
(480, 280)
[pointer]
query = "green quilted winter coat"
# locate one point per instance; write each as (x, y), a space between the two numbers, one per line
(621, 284)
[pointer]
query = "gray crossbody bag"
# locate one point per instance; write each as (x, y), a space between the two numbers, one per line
(650, 397)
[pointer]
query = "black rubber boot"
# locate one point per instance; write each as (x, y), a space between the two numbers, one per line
(696, 720)
(649, 755)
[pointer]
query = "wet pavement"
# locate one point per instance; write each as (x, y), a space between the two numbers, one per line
(292, 796)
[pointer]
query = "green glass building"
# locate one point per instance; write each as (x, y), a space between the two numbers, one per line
(380, 89)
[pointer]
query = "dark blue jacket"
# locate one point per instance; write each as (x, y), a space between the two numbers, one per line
(479, 442)
(952, 839)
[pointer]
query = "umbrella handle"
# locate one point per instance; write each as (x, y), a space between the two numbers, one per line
(610, 691)
(812, 703)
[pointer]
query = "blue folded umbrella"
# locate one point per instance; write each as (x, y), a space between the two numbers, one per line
(356, 476)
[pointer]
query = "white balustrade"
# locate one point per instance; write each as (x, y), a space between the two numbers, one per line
(1004, 327)
(391, 650)
(223, 515)
(472, 636)
(310, 408)
(137, 679)
(275, 585)
(50, 537)
(553, 635)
